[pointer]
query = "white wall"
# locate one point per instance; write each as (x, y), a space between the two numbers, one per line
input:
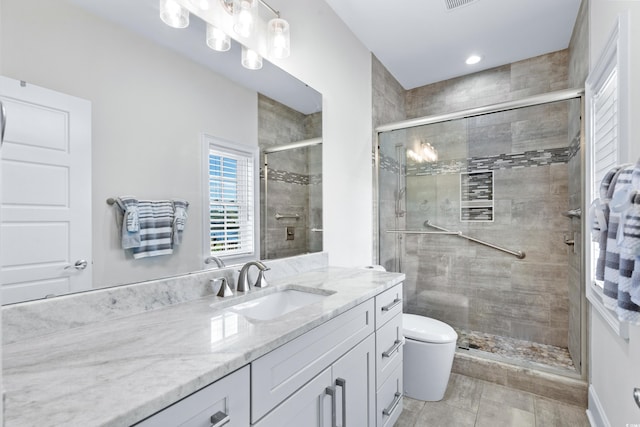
(615, 363)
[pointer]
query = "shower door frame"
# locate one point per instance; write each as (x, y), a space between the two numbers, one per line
(531, 101)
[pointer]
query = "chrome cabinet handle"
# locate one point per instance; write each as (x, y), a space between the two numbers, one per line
(342, 383)
(331, 391)
(81, 264)
(636, 396)
(395, 347)
(3, 122)
(392, 304)
(396, 400)
(219, 419)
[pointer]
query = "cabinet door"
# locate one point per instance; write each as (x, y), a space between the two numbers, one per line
(311, 406)
(354, 381)
(225, 402)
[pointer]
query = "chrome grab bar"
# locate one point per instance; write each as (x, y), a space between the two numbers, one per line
(281, 216)
(517, 254)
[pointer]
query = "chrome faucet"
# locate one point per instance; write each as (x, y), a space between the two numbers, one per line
(215, 259)
(243, 278)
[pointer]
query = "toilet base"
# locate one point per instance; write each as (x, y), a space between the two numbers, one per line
(427, 368)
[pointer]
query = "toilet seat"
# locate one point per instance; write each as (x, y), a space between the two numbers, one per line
(426, 329)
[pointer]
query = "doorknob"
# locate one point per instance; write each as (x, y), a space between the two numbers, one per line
(81, 264)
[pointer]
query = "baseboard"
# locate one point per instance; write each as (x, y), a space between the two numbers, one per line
(595, 411)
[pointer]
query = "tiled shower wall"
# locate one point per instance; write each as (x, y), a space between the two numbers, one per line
(294, 180)
(461, 282)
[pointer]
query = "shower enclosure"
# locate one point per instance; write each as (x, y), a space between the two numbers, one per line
(291, 199)
(473, 207)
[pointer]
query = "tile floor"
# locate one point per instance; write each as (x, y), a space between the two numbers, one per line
(470, 402)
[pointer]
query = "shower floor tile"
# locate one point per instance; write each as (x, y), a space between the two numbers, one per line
(543, 355)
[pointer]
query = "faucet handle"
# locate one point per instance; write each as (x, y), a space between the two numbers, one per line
(224, 290)
(261, 282)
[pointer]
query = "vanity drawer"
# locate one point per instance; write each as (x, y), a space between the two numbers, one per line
(389, 348)
(278, 374)
(226, 399)
(389, 399)
(388, 305)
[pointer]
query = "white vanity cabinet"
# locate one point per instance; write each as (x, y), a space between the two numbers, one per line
(280, 377)
(223, 403)
(389, 343)
(341, 395)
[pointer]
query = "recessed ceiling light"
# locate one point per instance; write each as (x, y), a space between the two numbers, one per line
(473, 59)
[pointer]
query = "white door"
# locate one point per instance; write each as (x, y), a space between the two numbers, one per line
(46, 193)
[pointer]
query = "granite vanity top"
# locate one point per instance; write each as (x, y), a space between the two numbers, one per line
(120, 371)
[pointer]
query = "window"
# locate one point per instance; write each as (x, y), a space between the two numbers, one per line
(607, 138)
(231, 188)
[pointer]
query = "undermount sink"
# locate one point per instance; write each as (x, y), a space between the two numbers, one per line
(276, 304)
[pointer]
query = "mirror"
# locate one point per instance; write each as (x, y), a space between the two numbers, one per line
(154, 92)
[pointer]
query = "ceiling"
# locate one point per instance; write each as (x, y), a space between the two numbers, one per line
(422, 41)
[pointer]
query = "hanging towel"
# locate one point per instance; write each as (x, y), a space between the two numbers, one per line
(130, 227)
(599, 219)
(156, 219)
(619, 183)
(631, 233)
(180, 219)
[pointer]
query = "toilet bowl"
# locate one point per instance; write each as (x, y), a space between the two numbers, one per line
(428, 356)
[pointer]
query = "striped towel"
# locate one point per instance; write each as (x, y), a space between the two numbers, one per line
(156, 228)
(621, 258)
(599, 218)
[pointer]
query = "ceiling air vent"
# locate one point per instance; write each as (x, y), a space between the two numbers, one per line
(453, 4)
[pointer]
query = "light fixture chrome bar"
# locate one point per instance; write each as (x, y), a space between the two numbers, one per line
(561, 95)
(265, 4)
(292, 145)
(517, 254)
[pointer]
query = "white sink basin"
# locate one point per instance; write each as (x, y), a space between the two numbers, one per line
(276, 304)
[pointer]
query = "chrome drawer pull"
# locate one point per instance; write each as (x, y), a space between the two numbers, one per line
(396, 400)
(219, 419)
(393, 349)
(331, 391)
(341, 382)
(392, 304)
(636, 396)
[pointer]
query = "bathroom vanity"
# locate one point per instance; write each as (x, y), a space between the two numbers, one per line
(336, 360)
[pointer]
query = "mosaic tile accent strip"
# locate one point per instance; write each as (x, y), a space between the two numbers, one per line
(292, 178)
(476, 214)
(501, 161)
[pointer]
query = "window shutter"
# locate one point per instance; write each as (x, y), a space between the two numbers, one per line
(231, 201)
(605, 131)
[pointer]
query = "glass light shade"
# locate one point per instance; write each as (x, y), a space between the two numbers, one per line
(279, 39)
(245, 15)
(200, 4)
(251, 59)
(217, 39)
(173, 14)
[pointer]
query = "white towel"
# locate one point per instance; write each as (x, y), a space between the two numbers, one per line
(130, 227)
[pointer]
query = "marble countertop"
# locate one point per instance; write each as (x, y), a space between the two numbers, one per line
(120, 371)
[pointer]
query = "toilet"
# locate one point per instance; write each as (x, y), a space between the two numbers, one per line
(428, 356)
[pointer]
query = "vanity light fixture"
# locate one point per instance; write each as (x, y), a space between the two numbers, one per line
(473, 59)
(224, 18)
(173, 14)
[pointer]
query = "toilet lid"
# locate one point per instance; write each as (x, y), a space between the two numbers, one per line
(426, 329)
